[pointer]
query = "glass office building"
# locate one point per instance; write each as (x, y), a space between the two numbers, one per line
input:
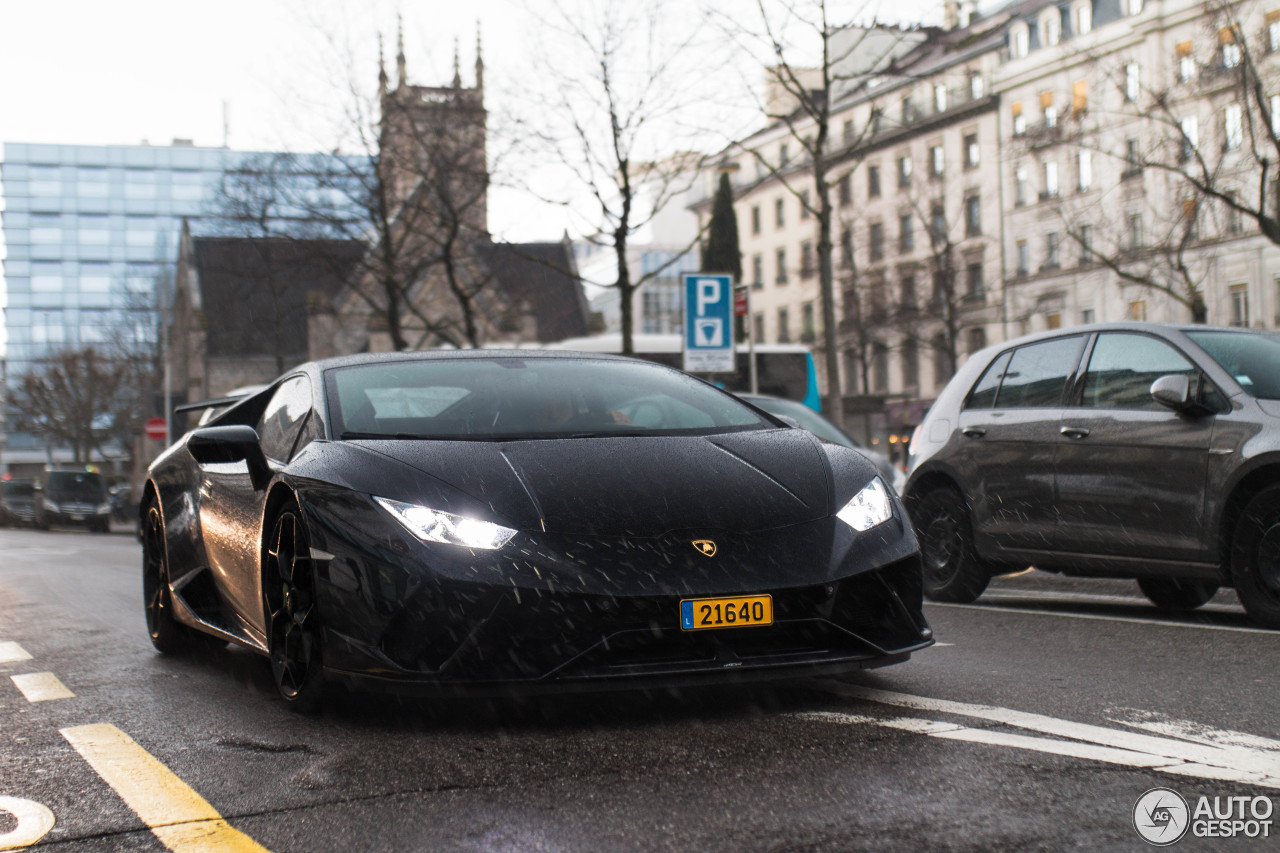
(90, 233)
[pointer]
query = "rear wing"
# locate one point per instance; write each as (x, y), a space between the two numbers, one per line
(209, 404)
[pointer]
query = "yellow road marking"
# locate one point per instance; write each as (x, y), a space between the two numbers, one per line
(34, 822)
(41, 686)
(182, 819)
(11, 652)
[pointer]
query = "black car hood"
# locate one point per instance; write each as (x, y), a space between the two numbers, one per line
(634, 486)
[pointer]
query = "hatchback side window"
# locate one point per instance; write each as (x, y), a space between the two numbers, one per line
(284, 417)
(1037, 374)
(1122, 368)
(983, 395)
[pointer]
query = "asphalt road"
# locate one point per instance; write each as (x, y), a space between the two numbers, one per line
(1043, 714)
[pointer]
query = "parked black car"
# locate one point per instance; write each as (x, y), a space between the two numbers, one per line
(17, 502)
(490, 519)
(1116, 450)
(75, 498)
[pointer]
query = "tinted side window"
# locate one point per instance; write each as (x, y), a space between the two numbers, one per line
(983, 395)
(284, 416)
(1038, 373)
(1122, 368)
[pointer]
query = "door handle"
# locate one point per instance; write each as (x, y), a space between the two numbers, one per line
(973, 432)
(1073, 432)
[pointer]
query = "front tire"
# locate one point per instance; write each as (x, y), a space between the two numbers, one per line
(166, 634)
(293, 620)
(1255, 558)
(952, 570)
(1177, 596)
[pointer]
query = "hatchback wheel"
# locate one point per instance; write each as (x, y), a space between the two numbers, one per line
(292, 615)
(1177, 596)
(1255, 558)
(952, 570)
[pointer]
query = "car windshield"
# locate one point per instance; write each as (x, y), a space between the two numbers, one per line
(76, 484)
(806, 417)
(19, 490)
(506, 398)
(1252, 358)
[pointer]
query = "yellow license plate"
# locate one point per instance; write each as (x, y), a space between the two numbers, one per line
(699, 614)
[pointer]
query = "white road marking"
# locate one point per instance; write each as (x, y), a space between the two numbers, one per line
(1188, 730)
(41, 686)
(943, 645)
(1100, 618)
(34, 822)
(11, 652)
(1072, 739)
(1095, 598)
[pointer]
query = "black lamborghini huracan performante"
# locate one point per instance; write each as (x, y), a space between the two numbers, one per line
(495, 520)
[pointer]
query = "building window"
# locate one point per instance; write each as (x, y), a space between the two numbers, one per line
(1020, 182)
(906, 237)
(1087, 315)
(1230, 54)
(1050, 116)
(1190, 137)
(804, 204)
(1135, 231)
(873, 182)
(1084, 170)
(779, 213)
(847, 132)
(755, 219)
(784, 155)
(780, 276)
(937, 161)
(972, 216)
(875, 241)
(1234, 131)
(1079, 98)
(941, 360)
(808, 330)
(1024, 257)
(1085, 239)
(972, 153)
(846, 247)
(1273, 31)
(1138, 310)
(1186, 62)
(940, 97)
(1050, 179)
(1239, 295)
(757, 271)
(876, 120)
(1132, 159)
(910, 363)
(1084, 18)
(1274, 105)
(904, 171)
(1051, 27)
(1053, 320)
(844, 190)
(1233, 214)
(1019, 41)
(977, 339)
(974, 289)
(977, 88)
(784, 327)
(1019, 120)
(879, 367)
(1051, 244)
(806, 259)
(905, 111)
(1132, 7)
(1132, 82)
(758, 327)
(937, 225)
(907, 285)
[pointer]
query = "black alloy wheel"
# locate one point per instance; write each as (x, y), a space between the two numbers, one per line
(166, 634)
(1176, 595)
(1255, 558)
(292, 616)
(952, 570)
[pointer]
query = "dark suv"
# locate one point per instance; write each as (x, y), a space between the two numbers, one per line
(77, 498)
(17, 504)
(1128, 450)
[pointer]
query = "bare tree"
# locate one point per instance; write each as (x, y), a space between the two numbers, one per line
(621, 82)
(75, 398)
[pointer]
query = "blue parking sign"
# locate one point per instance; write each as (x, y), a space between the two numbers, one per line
(708, 323)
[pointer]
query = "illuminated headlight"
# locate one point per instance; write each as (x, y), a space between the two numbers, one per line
(432, 525)
(104, 509)
(50, 505)
(869, 507)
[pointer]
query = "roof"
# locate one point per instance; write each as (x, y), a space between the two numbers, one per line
(543, 276)
(254, 290)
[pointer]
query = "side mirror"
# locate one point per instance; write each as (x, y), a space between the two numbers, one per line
(209, 445)
(1172, 391)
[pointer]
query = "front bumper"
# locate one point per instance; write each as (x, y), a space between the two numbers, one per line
(565, 614)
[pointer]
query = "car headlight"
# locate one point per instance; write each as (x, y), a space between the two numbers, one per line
(103, 509)
(50, 505)
(432, 525)
(869, 507)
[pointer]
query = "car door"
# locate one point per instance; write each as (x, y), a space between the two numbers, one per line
(231, 507)
(1007, 434)
(1130, 473)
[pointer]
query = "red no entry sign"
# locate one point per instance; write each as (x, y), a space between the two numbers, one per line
(156, 429)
